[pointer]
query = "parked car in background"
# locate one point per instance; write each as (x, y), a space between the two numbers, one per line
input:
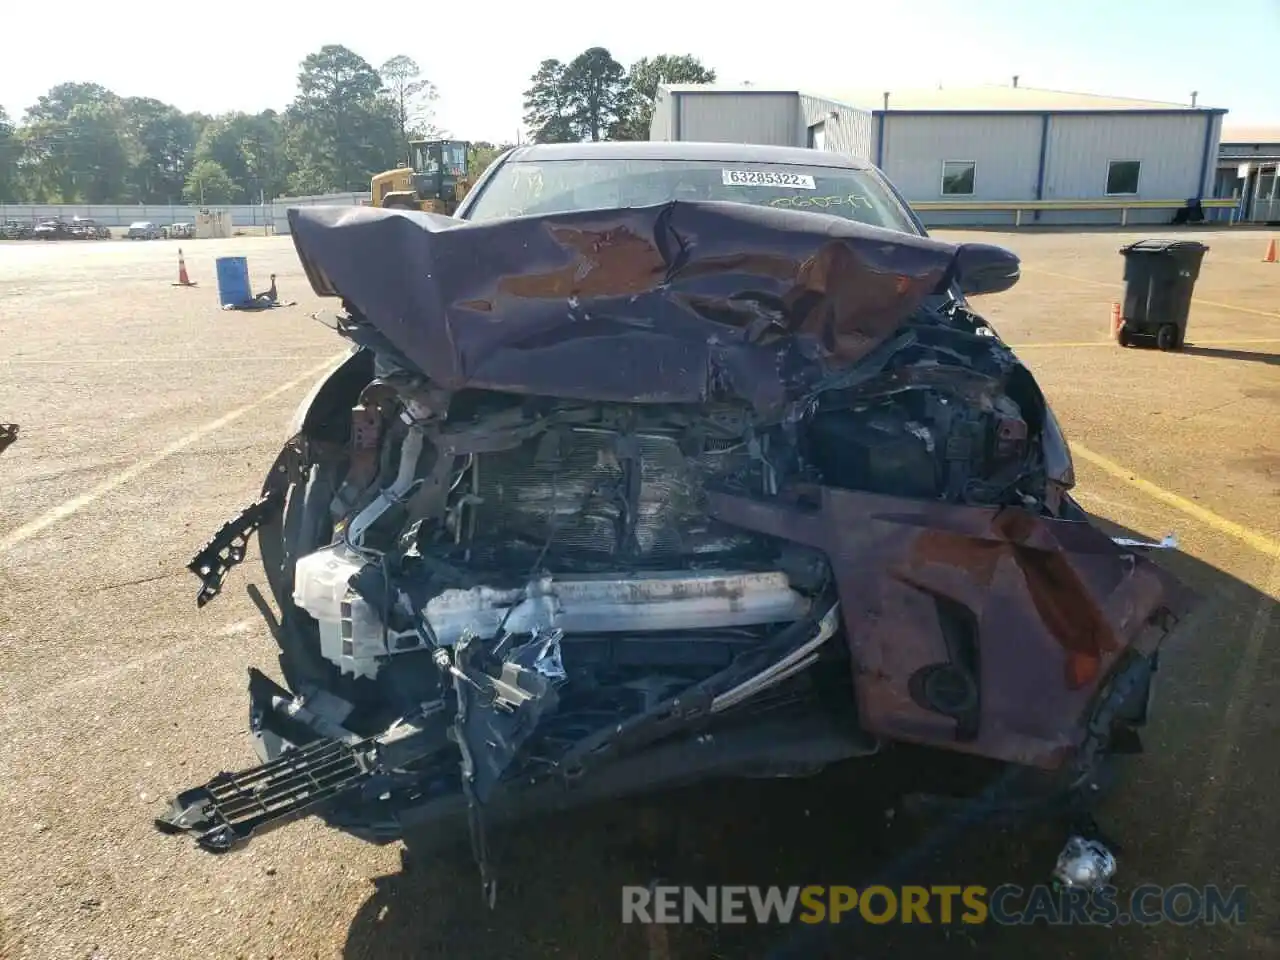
(85, 228)
(54, 229)
(15, 230)
(144, 230)
(181, 231)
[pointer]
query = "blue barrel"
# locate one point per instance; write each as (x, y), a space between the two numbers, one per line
(233, 281)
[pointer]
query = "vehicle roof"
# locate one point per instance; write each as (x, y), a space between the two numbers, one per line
(684, 150)
(140, 223)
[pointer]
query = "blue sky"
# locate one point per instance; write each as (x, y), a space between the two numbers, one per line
(240, 55)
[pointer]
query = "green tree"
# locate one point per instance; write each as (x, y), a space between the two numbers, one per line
(57, 104)
(65, 129)
(198, 123)
(483, 153)
(643, 79)
(163, 139)
(208, 184)
(98, 152)
(251, 149)
(263, 147)
(45, 177)
(585, 99)
(410, 95)
(341, 128)
(10, 158)
(309, 181)
(221, 142)
(547, 111)
(595, 87)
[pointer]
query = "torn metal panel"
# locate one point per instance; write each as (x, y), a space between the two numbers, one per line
(676, 303)
(1043, 609)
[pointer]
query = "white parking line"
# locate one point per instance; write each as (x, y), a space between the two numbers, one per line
(20, 709)
(97, 492)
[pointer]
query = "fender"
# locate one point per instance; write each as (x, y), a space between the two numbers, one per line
(334, 390)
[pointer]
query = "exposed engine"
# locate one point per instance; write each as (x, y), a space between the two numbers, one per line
(519, 519)
(510, 519)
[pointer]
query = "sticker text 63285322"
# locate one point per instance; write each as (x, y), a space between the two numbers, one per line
(767, 178)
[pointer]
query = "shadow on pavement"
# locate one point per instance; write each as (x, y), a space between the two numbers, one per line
(1222, 354)
(560, 877)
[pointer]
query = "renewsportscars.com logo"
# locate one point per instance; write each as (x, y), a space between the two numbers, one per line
(1008, 905)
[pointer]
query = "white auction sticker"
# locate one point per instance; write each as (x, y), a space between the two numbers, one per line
(767, 178)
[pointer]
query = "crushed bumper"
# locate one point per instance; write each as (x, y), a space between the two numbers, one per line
(378, 789)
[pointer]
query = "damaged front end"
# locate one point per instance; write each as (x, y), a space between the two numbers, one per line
(616, 500)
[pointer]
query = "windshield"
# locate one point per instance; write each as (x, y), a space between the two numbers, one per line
(559, 186)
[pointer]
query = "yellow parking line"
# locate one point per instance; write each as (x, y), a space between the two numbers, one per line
(116, 480)
(1114, 283)
(1067, 276)
(1263, 544)
(1225, 343)
(74, 361)
(1112, 343)
(1232, 306)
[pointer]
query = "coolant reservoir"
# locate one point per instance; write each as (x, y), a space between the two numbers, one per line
(320, 580)
(351, 633)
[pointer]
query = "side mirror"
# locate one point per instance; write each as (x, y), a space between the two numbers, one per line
(982, 268)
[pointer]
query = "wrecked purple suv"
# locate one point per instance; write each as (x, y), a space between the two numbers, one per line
(662, 462)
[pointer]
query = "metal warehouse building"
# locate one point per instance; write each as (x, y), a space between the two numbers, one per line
(1249, 172)
(979, 151)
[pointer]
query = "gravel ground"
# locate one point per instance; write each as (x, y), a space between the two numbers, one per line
(148, 416)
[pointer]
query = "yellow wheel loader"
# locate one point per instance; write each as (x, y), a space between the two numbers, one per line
(436, 180)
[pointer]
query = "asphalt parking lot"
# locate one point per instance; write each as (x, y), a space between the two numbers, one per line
(148, 416)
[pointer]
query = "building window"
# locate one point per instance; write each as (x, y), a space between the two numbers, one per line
(957, 178)
(1122, 178)
(818, 136)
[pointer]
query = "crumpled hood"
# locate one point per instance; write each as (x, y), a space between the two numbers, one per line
(677, 303)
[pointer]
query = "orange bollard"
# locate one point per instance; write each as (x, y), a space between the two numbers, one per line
(1270, 255)
(183, 279)
(1117, 320)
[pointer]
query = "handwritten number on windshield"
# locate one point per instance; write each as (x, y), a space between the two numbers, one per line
(852, 200)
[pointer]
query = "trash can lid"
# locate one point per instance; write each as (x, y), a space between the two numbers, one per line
(1184, 247)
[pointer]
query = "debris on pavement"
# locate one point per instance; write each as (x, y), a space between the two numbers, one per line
(1084, 864)
(266, 300)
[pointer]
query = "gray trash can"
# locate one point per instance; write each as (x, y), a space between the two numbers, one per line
(1159, 278)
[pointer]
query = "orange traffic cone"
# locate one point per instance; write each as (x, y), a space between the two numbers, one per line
(1270, 256)
(183, 279)
(1117, 320)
